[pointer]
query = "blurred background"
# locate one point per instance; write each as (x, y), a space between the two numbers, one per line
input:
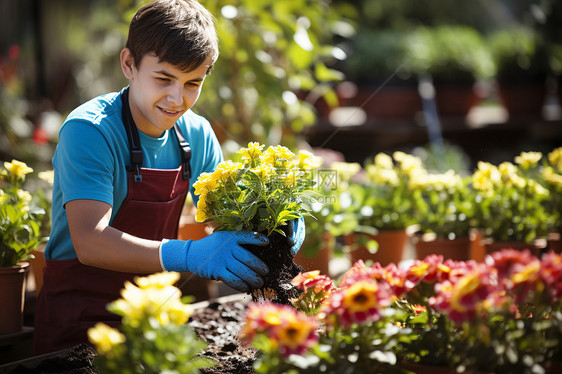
(456, 81)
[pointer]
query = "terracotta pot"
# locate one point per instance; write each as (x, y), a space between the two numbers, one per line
(392, 244)
(190, 229)
(456, 249)
(524, 99)
(400, 101)
(455, 100)
(37, 266)
(493, 246)
(321, 261)
(554, 242)
(477, 248)
(12, 296)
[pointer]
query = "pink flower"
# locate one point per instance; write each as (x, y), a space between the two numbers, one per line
(290, 331)
(360, 302)
(518, 273)
(551, 274)
(313, 280)
(463, 298)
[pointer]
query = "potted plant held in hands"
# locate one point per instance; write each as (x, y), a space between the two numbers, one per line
(261, 194)
(19, 235)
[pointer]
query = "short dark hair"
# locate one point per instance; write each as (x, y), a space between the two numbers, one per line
(180, 32)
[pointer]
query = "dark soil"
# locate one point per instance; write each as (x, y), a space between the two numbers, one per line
(218, 324)
(282, 269)
(78, 360)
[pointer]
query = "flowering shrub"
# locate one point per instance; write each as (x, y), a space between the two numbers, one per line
(20, 231)
(503, 315)
(259, 194)
(443, 203)
(511, 199)
(552, 174)
(384, 199)
(154, 336)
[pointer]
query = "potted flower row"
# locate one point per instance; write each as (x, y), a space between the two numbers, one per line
(444, 316)
(20, 234)
(511, 205)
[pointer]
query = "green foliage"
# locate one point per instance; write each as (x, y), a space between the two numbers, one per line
(154, 336)
(519, 54)
(20, 230)
(269, 52)
(452, 53)
(168, 348)
(443, 205)
(511, 200)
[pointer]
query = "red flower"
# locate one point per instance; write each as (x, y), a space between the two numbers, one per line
(290, 331)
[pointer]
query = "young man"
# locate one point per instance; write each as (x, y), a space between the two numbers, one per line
(123, 167)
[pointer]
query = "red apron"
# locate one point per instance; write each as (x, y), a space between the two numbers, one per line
(74, 296)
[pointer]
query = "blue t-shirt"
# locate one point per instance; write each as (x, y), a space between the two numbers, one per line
(92, 154)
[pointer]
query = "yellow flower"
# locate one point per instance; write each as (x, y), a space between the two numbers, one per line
(528, 160)
(158, 280)
(204, 184)
(465, 286)
(382, 176)
(105, 338)
(307, 160)
(18, 168)
(263, 170)
(555, 158)
(48, 176)
(346, 170)
(486, 176)
(294, 332)
(360, 297)
(253, 152)
(225, 170)
(552, 177)
(275, 153)
(384, 161)
(201, 215)
(530, 273)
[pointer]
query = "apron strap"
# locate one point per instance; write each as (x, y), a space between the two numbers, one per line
(185, 153)
(132, 136)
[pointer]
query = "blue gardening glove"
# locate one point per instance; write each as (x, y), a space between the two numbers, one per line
(218, 256)
(295, 234)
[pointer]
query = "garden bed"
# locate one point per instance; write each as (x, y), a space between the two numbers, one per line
(216, 321)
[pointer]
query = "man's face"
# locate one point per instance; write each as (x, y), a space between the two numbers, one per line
(160, 93)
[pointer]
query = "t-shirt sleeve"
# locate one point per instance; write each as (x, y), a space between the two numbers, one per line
(84, 162)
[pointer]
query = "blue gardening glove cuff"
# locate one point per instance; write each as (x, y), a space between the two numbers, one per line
(173, 254)
(296, 234)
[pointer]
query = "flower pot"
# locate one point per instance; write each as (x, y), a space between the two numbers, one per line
(319, 260)
(522, 99)
(456, 249)
(388, 101)
(12, 282)
(392, 244)
(454, 99)
(554, 242)
(493, 246)
(477, 248)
